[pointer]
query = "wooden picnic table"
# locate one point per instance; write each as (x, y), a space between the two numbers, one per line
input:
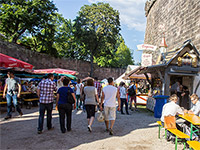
(22, 93)
(25, 93)
(194, 121)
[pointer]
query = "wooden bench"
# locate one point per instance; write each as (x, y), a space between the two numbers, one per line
(176, 132)
(29, 101)
(194, 145)
(4, 102)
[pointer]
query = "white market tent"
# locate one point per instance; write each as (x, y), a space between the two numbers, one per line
(129, 68)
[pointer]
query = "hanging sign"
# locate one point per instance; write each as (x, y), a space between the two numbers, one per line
(146, 47)
(146, 60)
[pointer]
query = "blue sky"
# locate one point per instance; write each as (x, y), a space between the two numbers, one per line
(132, 18)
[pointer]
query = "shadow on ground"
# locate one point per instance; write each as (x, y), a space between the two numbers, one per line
(21, 133)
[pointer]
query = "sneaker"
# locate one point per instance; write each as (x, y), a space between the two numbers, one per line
(89, 128)
(39, 132)
(7, 117)
(111, 132)
(21, 113)
(122, 113)
(107, 130)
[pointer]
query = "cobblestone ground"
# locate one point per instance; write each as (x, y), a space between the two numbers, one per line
(136, 131)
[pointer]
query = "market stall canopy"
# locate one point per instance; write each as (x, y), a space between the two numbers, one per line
(87, 78)
(7, 62)
(133, 74)
(56, 70)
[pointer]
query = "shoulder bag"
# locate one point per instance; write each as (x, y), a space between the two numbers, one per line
(70, 98)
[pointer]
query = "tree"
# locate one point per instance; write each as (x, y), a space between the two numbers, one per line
(96, 28)
(120, 58)
(24, 16)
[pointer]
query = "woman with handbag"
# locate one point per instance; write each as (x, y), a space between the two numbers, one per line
(64, 105)
(91, 96)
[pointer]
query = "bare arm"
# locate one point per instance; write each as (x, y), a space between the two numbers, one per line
(74, 99)
(118, 99)
(38, 93)
(102, 98)
(97, 98)
(19, 90)
(57, 98)
(4, 91)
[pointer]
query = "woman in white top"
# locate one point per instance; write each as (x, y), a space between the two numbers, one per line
(122, 91)
(171, 109)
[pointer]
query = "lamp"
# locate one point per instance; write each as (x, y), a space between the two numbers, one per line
(163, 49)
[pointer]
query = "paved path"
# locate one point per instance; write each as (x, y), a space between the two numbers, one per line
(136, 131)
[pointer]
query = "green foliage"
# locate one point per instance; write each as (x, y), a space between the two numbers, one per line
(22, 18)
(120, 58)
(96, 28)
(94, 34)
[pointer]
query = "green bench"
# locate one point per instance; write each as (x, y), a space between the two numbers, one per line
(180, 136)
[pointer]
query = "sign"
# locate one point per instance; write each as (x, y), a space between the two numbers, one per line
(146, 60)
(146, 47)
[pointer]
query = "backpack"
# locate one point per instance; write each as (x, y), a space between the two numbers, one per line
(131, 91)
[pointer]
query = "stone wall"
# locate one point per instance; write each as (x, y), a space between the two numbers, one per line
(43, 61)
(180, 18)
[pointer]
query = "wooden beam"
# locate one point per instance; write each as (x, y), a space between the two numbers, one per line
(160, 76)
(147, 77)
(197, 87)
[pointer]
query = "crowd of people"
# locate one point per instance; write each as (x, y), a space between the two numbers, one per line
(90, 96)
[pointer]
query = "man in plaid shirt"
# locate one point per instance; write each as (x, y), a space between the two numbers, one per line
(46, 96)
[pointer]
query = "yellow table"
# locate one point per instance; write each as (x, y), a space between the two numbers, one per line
(193, 119)
(24, 93)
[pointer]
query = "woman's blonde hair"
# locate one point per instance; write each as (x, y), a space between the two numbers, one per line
(173, 97)
(194, 97)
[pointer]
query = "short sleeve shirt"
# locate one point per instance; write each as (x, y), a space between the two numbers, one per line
(110, 93)
(90, 93)
(122, 92)
(47, 87)
(12, 85)
(63, 94)
(78, 88)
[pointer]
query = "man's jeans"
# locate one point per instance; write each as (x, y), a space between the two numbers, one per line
(9, 104)
(49, 108)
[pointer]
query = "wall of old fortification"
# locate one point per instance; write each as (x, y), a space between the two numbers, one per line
(181, 20)
(43, 61)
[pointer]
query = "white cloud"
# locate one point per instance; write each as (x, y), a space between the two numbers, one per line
(131, 12)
